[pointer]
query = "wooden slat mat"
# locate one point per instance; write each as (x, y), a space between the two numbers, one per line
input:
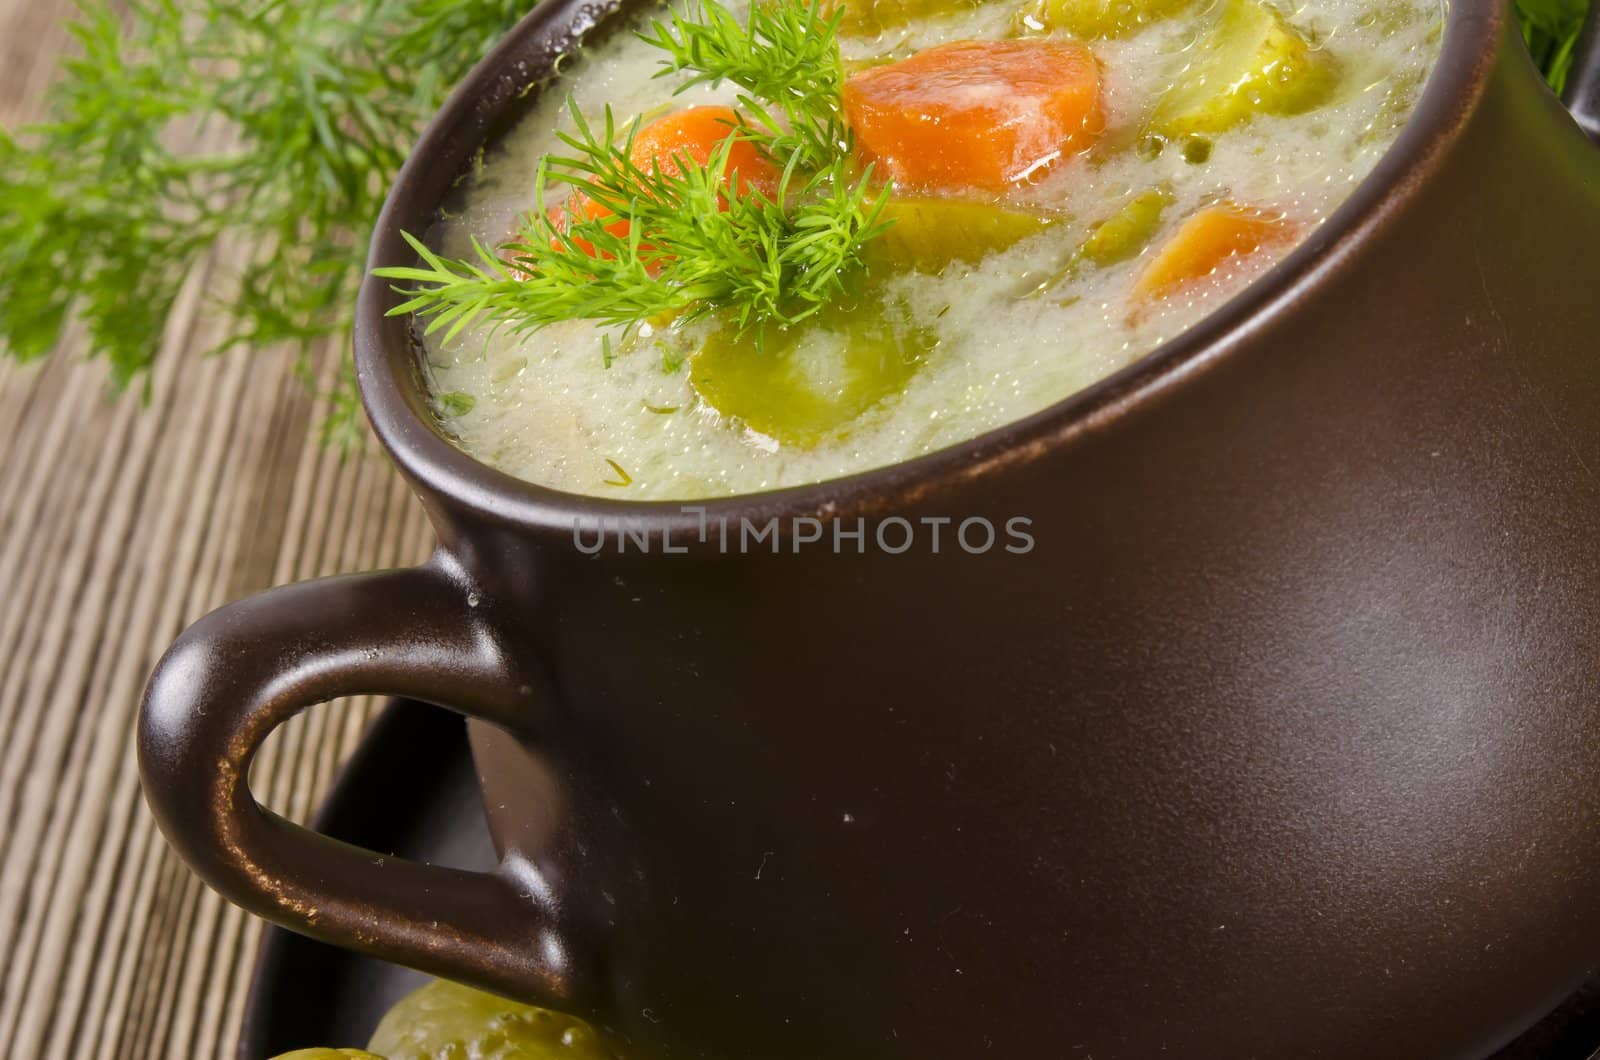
(119, 525)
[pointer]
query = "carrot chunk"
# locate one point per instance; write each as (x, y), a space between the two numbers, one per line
(694, 133)
(1207, 241)
(976, 114)
(581, 208)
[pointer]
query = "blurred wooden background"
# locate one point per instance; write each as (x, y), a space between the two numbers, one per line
(118, 526)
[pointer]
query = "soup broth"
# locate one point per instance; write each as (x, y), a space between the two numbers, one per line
(983, 303)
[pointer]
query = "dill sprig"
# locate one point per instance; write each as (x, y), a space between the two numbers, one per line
(301, 113)
(690, 247)
(1550, 29)
(786, 61)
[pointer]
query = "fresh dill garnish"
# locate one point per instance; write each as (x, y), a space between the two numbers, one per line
(689, 247)
(785, 59)
(301, 112)
(622, 479)
(1550, 29)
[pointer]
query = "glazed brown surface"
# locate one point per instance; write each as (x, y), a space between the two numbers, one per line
(1281, 742)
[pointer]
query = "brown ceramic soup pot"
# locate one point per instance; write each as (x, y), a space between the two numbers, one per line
(1282, 740)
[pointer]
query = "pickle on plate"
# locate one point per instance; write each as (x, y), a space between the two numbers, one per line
(1094, 18)
(929, 234)
(1252, 62)
(448, 1021)
(802, 384)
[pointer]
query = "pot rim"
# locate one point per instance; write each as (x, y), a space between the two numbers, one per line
(397, 405)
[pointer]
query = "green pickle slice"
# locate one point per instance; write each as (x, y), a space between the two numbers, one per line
(803, 384)
(448, 1021)
(868, 18)
(1251, 62)
(1126, 232)
(1092, 19)
(1119, 237)
(930, 234)
(329, 1054)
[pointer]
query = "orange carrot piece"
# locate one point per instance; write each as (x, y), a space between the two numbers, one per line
(976, 114)
(582, 208)
(694, 133)
(1207, 241)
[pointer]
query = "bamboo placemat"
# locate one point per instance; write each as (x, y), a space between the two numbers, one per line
(119, 525)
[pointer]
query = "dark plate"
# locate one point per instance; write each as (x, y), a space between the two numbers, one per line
(410, 790)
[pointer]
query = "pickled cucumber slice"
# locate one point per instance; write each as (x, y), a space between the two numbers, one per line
(1388, 16)
(803, 384)
(444, 1021)
(868, 18)
(1126, 232)
(329, 1054)
(1251, 62)
(930, 234)
(1119, 237)
(1091, 19)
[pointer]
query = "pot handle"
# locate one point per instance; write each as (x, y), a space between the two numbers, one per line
(242, 670)
(1582, 91)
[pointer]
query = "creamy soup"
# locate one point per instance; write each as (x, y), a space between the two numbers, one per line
(1157, 155)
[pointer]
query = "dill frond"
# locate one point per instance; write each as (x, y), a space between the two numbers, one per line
(1550, 29)
(302, 112)
(784, 58)
(689, 248)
